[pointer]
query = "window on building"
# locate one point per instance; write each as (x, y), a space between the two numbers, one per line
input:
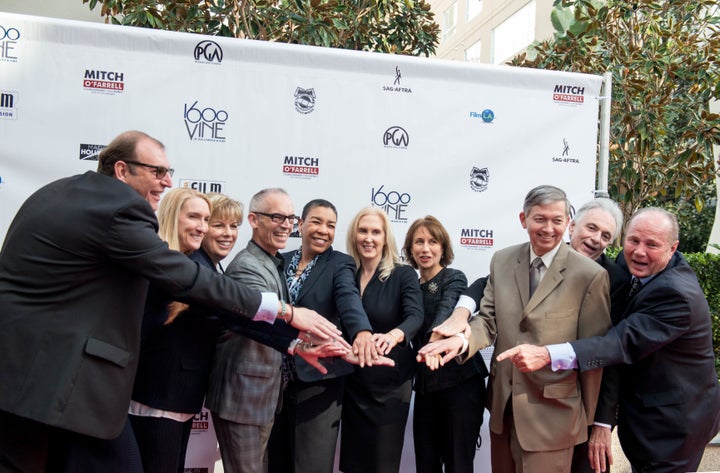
(514, 34)
(472, 54)
(449, 21)
(474, 7)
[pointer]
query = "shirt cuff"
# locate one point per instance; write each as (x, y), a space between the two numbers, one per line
(268, 310)
(562, 357)
(466, 302)
(600, 424)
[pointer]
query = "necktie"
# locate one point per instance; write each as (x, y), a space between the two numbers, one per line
(635, 286)
(535, 267)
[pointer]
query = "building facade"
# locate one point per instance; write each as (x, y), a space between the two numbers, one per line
(489, 31)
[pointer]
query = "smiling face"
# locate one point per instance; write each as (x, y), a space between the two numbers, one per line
(192, 224)
(427, 252)
(370, 238)
(220, 238)
(592, 233)
(318, 230)
(648, 244)
(143, 179)
(271, 236)
(546, 225)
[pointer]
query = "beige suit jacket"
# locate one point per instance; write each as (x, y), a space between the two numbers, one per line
(551, 410)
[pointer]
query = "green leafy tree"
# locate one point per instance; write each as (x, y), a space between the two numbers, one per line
(664, 60)
(390, 26)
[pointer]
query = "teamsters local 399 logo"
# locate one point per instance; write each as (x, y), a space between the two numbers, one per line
(301, 167)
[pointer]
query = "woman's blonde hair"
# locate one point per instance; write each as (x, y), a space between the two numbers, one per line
(168, 213)
(224, 208)
(390, 256)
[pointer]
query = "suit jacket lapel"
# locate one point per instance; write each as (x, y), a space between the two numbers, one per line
(269, 264)
(553, 277)
(315, 274)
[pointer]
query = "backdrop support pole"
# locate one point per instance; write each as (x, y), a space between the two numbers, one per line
(601, 189)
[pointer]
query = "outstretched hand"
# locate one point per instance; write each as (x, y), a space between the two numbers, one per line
(526, 357)
(364, 349)
(326, 348)
(436, 354)
(456, 323)
(354, 359)
(307, 320)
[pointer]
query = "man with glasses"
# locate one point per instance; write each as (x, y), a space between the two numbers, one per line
(245, 383)
(74, 272)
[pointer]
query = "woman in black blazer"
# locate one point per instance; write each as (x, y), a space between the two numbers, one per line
(322, 279)
(449, 402)
(377, 400)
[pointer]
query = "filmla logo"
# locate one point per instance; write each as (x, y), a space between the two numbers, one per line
(208, 52)
(565, 156)
(396, 137)
(205, 124)
(8, 105)
(304, 100)
(479, 179)
(9, 37)
(394, 203)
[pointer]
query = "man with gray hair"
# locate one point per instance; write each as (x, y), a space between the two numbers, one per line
(669, 403)
(541, 290)
(596, 224)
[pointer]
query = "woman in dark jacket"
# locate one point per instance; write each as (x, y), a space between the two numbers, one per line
(449, 402)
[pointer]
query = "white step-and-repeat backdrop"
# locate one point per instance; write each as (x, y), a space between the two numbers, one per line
(415, 136)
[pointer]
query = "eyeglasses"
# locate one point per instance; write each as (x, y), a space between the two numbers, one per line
(280, 218)
(159, 170)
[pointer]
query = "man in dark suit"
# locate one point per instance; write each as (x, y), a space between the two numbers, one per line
(74, 271)
(536, 420)
(669, 395)
(594, 226)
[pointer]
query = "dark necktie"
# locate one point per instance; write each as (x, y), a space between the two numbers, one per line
(535, 267)
(635, 286)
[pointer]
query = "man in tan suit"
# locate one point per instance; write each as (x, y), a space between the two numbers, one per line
(536, 419)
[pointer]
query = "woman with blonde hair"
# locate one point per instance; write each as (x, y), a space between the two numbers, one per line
(377, 400)
(172, 347)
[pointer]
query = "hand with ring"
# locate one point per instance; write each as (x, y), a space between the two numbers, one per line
(385, 342)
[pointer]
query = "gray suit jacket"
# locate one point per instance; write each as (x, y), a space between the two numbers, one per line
(551, 409)
(74, 272)
(245, 378)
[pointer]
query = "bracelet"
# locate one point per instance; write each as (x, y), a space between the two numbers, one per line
(292, 314)
(465, 342)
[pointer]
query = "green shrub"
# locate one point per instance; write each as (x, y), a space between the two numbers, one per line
(707, 268)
